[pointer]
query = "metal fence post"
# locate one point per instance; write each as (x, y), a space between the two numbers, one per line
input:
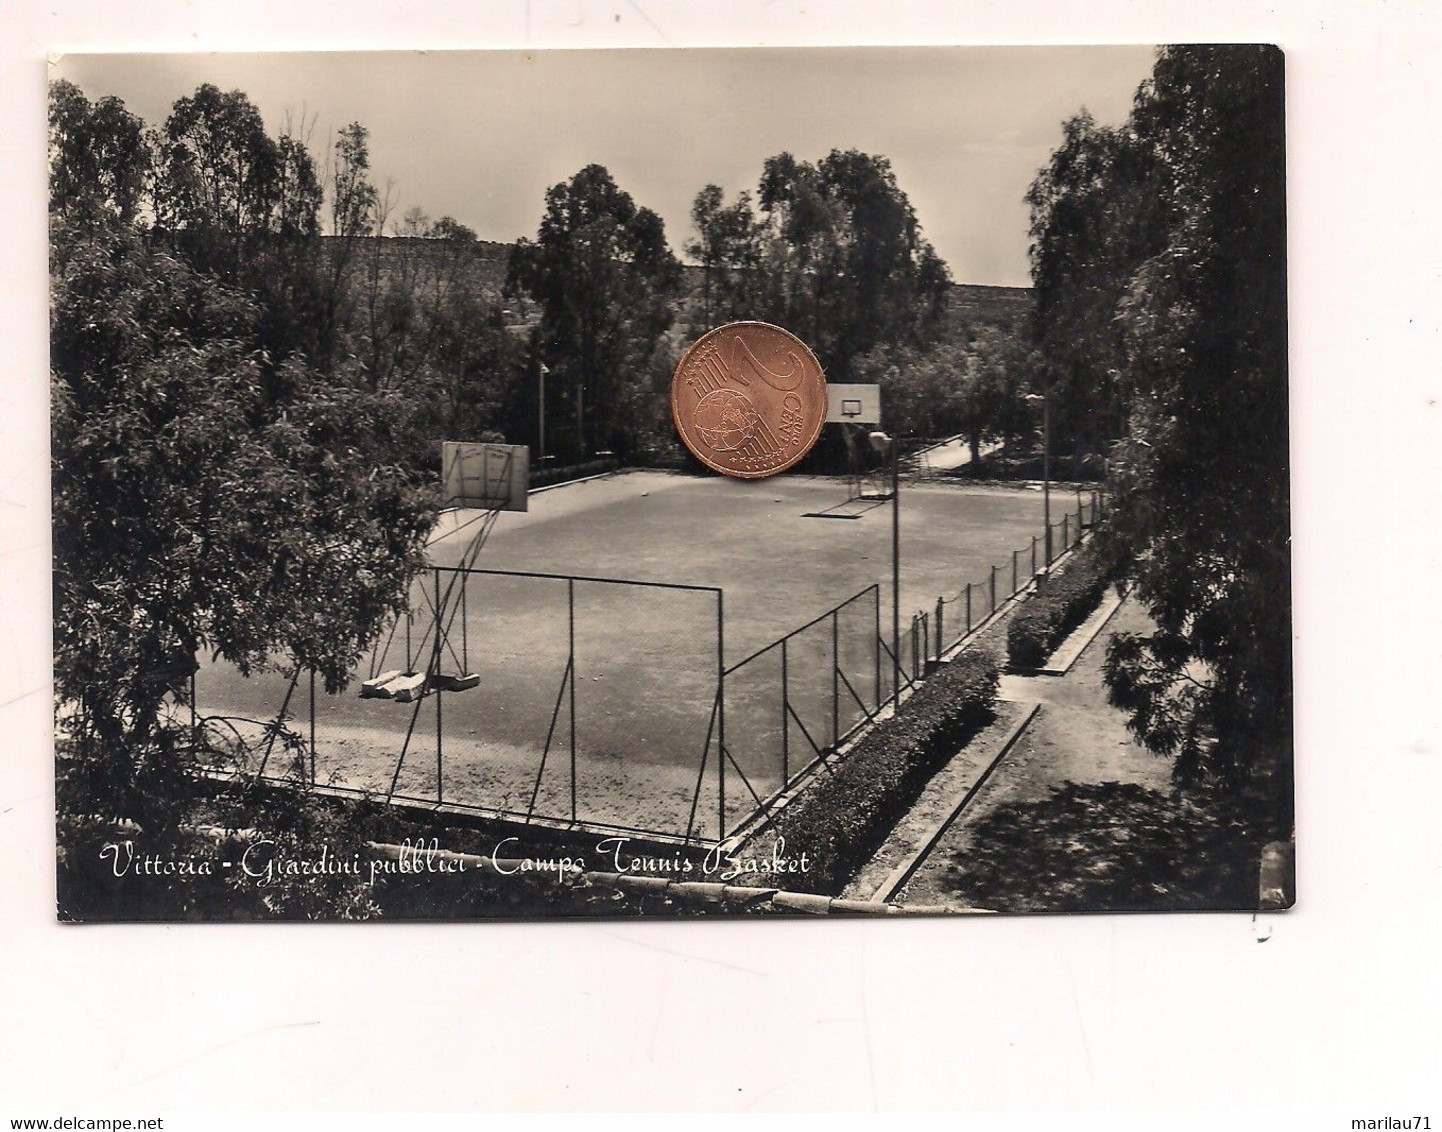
(434, 675)
(876, 644)
(571, 656)
(312, 721)
(835, 683)
(968, 607)
(785, 719)
(1014, 554)
(1033, 556)
(465, 641)
(992, 586)
(721, 713)
(1065, 535)
(940, 627)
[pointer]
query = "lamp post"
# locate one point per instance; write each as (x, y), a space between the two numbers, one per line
(541, 412)
(879, 443)
(1045, 400)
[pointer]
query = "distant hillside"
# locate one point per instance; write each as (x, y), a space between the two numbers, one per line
(971, 303)
(396, 251)
(998, 306)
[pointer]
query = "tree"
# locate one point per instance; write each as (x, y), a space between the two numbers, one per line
(1096, 212)
(353, 210)
(178, 527)
(970, 383)
(849, 255)
(891, 285)
(353, 198)
(244, 431)
(427, 323)
(101, 157)
(991, 402)
(1201, 480)
(606, 282)
(221, 176)
(729, 249)
(832, 250)
(245, 207)
(211, 494)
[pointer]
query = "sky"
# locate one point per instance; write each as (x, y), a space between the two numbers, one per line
(480, 136)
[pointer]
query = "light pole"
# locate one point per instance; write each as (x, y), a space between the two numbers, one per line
(1045, 400)
(541, 413)
(879, 443)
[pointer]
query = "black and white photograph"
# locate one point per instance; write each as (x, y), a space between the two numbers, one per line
(652, 557)
(670, 483)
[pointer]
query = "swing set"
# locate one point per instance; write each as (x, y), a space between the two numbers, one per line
(491, 478)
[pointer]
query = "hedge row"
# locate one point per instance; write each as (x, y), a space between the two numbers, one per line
(1062, 603)
(844, 817)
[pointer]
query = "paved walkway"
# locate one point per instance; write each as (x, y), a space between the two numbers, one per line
(937, 801)
(1075, 737)
(950, 454)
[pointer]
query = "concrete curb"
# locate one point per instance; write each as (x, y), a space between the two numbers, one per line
(1066, 654)
(903, 872)
(569, 483)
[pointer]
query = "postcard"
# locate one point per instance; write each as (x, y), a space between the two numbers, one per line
(686, 482)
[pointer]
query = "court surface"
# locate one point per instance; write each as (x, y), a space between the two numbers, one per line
(640, 664)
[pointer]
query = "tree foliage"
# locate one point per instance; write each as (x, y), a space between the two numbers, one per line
(1095, 214)
(179, 529)
(1191, 292)
(832, 250)
(968, 383)
(606, 282)
(728, 246)
(101, 159)
(215, 491)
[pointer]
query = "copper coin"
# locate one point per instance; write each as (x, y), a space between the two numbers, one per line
(748, 399)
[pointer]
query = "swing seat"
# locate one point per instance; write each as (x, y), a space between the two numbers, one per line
(375, 687)
(404, 689)
(395, 685)
(449, 682)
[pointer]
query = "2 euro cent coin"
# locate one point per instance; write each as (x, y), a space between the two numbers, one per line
(748, 399)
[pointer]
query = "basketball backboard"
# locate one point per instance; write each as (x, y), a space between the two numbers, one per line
(487, 477)
(853, 404)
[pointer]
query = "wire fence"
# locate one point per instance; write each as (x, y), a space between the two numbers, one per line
(571, 702)
(795, 701)
(956, 617)
(537, 698)
(600, 703)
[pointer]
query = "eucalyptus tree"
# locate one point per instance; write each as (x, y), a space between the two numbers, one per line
(607, 283)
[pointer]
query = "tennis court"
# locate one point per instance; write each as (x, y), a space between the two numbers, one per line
(597, 702)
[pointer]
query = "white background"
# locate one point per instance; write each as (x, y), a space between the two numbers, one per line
(1332, 1007)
